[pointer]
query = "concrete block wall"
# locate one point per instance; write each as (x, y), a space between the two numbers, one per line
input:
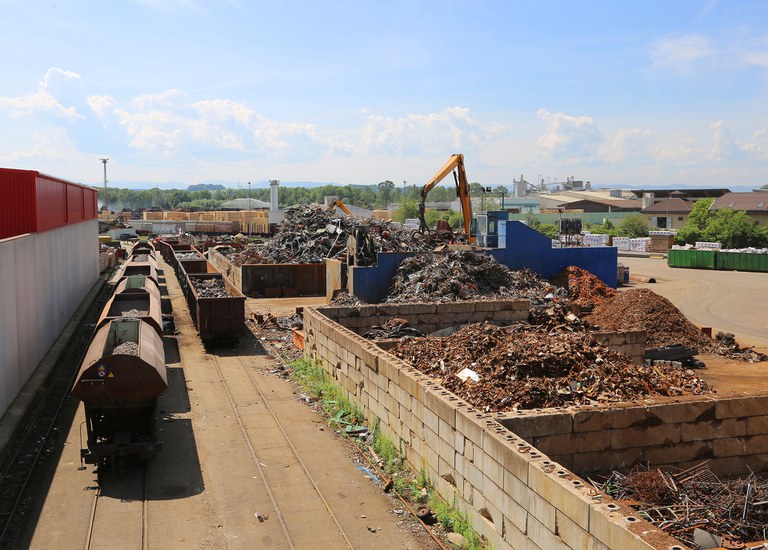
(630, 343)
(429, 317)
(515, 495)
(730, 433)
(43, 279)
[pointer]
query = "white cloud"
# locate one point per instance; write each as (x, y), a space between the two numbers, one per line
(569, 136)
(629, 145)
(53, 146)
(101, 105)
(679, 52)
(452, 129)
(44, 100)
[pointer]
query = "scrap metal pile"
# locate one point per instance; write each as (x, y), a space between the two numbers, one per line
(696, 507)
(643, 309)
(126, 348)
(182, 256)
(310, 234)
(140, 258)
(584, 288)
(394, 327)
(522, 367)
(467, 275)
(209, 288)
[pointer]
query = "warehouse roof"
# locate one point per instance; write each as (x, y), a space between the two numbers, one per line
(755, 201)
(243, 204)
(674, 205)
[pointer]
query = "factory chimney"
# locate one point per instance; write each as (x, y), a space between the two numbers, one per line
(273, 185)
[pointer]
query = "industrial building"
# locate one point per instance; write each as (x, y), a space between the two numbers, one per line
(49, 260)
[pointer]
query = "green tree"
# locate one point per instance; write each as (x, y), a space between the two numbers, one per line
(385, 191)
(633, 226)
(733, 229)
(408, 209)
(701, 215)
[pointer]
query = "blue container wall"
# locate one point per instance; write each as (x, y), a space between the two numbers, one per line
(371, 283)
(526, 248)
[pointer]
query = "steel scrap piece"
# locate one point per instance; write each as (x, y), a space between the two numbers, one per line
(525, 367)
(310, 234)
(467, 275)
(210, 288)
(735, 510)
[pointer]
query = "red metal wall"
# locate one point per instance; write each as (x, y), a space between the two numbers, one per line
(33, 202)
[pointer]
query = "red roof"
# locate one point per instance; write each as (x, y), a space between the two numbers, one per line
(672, 206)
(754, 202)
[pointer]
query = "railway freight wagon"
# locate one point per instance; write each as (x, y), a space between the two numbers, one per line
(137, 297)
(119, 382)
(216, 306)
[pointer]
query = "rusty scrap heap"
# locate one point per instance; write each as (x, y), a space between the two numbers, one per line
(210, 288)
(696, 507)
(518, 367)
(310, 233)
(643, 309)
(584, 288)
(467, 275)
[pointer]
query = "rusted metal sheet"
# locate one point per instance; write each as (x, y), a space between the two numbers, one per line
(288, 279)
(129, 269)
(113, 380)
(143, 303)
(217, 307)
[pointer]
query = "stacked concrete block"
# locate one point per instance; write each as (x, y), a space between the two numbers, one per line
(514, 494)
(429, 317)
(731, 433)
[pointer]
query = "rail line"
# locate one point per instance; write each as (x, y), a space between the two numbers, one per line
(17, 472)
(93, 521)
(216, 361)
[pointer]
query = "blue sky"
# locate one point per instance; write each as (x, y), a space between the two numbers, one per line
(631, 93)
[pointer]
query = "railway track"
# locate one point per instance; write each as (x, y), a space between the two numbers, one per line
(124, 519)
(28, 470)
(223, 366)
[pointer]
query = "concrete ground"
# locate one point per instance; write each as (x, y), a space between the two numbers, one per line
(245, 464)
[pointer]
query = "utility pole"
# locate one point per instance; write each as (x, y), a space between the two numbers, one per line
(106, 192)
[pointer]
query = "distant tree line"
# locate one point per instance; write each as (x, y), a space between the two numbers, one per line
(364, 196)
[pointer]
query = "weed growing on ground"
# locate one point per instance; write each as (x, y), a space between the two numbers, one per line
(316, 382)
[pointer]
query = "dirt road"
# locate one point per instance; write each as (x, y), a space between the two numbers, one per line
(730, 301)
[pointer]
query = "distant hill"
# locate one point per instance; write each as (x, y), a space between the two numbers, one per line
(205, 187)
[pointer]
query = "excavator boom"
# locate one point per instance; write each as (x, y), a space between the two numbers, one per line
(341, 206)
(454, 165)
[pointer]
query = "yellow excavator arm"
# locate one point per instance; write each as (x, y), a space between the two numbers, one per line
(340, 205)
(456, 165)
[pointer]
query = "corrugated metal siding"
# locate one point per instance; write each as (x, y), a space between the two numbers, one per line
(34, 202)
(17, 203)
(51, 203)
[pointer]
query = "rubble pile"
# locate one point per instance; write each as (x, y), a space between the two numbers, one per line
(584, 288)
(134, 313)
(727, 346)
(310, 234)
(508, 368)
(394, 327)
(209, 288)
(467, 275)
(126, 348)
(139, 258)
(643, 309)
(695, 506)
